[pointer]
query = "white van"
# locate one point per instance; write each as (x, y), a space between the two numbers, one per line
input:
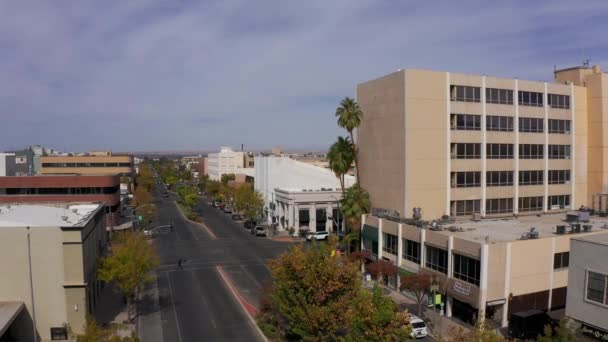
(418, 326)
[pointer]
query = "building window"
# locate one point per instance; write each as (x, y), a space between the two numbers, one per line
(531, 177)
(303, 217)
(466, 207)
(558, 101)
(465, 122)
(531, 151)
(466, 269)
(559, 126)
(464, 93)
(499, 205)
(530, 203)
(389, 243)
(531, 125)
(559, 176)
(530, 98)
(466, 151)
(499, 96)
(411, 250)
(559, 201)
(559, 151)
(321, 219)
(466, 179)
(59, 333)
(596, 287)
(499, 123)
(436, 259)
(561, 260)
(499, 151)
(499, 178)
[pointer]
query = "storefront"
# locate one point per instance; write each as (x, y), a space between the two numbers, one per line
(465, 297)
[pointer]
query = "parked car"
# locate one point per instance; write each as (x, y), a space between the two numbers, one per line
(165, 194)
(419, 329)
(221, 206)
(318, 236)
(249, 224)
(237, 217)
(227, 210)
(260, 231)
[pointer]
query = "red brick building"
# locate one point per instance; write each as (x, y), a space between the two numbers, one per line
(63, 188)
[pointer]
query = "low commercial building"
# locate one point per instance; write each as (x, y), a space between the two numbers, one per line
(121, 165)
(64, 189)
(7, 164)
(485, 269)
(587, 301)
(50, 253)
(297, 192)
(224, 162)
(307, 210)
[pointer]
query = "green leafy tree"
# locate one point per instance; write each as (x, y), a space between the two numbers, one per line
(419, 284)
(562, 333)
(340, 157)
(129, 264)
(94, 333)
(312, 291)
(228, 177)
(248, 201)
(213, 188)
(354, 203)
(479, 333)
(349, 116)
(375, 317)
(191, 200)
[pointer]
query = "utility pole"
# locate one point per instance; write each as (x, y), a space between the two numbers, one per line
(29, 260)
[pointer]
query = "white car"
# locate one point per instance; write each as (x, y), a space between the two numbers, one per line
(418, 326)
(318, 236)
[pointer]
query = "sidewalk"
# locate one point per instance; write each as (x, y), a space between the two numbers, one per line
(112, 310)
(439, 325)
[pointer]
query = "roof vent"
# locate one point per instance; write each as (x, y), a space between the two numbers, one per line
(561, 229)
(587, 227)
(65, 218)
(74, 210)
(533, 233)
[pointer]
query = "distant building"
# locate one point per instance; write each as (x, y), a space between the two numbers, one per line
(587, 300)
(224, 162)
(276, 151)
(48, 262)
(249, 160)
(292, 189)
(7, 164)
(64, 189)
(202, 166)
(122, 165)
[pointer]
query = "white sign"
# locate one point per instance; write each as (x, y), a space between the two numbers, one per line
(462, 288)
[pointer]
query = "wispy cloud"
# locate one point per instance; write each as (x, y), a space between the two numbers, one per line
(184, 74)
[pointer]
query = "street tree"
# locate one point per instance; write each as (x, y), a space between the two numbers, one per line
(419, 284)
(228, 177)
(562, 333)
(340, 157)
(312, 290)
(129, 263)
(375, 317)
(380, 268)
(354, 203)
(213, 188)
(191, 200)
(248, 201)
(479, 333)
(95, 333)
(349, 116)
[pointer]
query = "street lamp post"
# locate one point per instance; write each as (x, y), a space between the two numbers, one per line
(133, 214)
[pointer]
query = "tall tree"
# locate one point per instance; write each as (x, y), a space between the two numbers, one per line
(419, 284)
(248, 201)
(129, 263)
(349, 116)
(340, 157)
(354, 203)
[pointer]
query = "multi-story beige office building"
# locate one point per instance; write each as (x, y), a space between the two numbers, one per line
(457, 145)
(484, 156)
(89, 164)
(48, 262)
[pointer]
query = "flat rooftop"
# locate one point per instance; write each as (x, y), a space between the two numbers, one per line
(8, 313)
(47, 215)
(600, 239)
(510, 229)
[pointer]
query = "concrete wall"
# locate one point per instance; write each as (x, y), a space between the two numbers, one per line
(586, 256)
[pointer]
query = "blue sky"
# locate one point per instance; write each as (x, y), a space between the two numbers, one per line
(169, 75)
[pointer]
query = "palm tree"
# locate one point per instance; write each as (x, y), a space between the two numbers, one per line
(354, 203)
(349, 117)
(340, 156)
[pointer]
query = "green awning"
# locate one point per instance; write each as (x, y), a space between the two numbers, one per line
(369, 233)
(405, 272)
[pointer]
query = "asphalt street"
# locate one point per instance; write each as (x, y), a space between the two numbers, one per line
(198, 301)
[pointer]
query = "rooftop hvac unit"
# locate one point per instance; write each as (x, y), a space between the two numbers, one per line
(533, 233)
(417, 213)
(65, 218)
(587, 227)
(561, 230)
(576, 228)
(434, 225)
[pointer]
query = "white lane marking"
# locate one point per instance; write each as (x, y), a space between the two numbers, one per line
(179, 332)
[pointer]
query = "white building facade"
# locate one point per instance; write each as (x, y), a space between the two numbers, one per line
(224, 162)
(7, 164)
(297, 194)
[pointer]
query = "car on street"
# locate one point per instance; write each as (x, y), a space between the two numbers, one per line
(249, 224)
(221, 206)
(419, 329)
(318, 236)
(260, 231)
(165, 194)
(237, 217)
(227, 210)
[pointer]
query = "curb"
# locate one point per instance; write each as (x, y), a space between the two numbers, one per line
(202, 225)
(249, 309)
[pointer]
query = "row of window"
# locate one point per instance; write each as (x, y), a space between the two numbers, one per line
(86, 164)
(61, 191)
(496, 123)
(505, 205)
(505, 151)
(471, 179)
(505, 96)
